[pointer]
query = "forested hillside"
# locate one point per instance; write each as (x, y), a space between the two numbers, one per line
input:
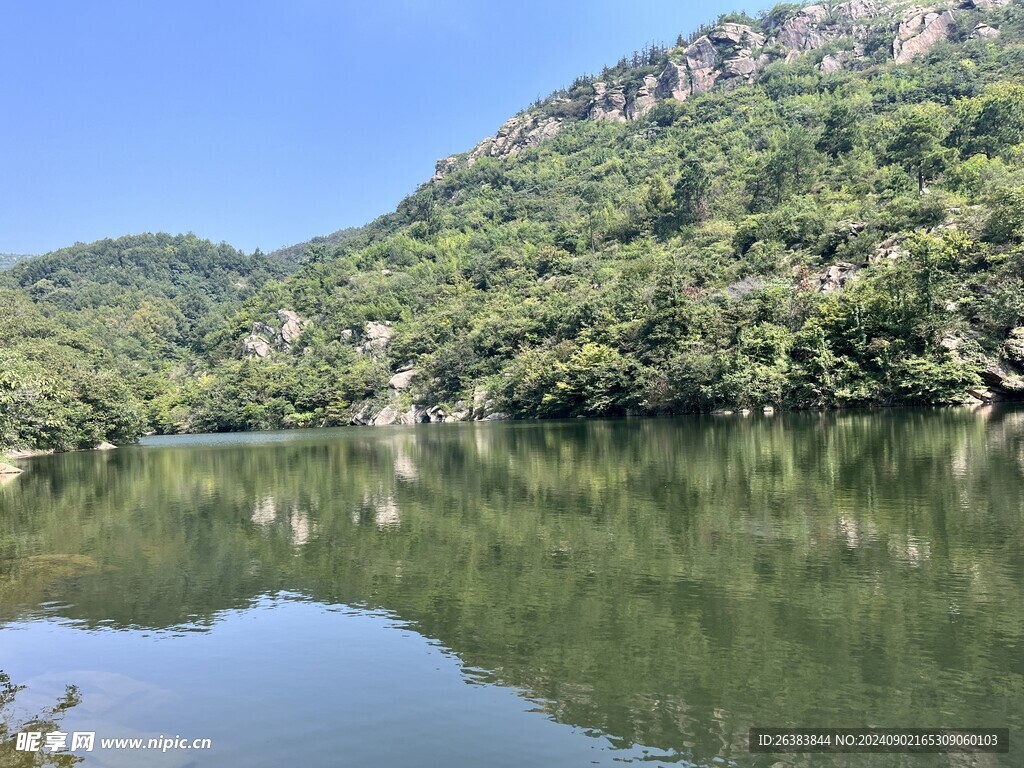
(819, 207)
(97, 332)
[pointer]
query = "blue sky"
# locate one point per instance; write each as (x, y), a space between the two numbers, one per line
(262, 123)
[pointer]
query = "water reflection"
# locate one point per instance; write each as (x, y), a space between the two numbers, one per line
(666, 583)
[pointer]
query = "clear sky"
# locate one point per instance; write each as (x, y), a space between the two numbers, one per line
(262, 123)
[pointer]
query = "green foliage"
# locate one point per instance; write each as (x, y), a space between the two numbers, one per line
(803, 241)
(110, 326)
(993, 123)
(1006, 221)
(917, 141)
(57, 387)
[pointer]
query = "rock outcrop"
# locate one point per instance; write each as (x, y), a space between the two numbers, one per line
(919, 31)
(701, 58)
(290, 326)
(1005, 376)
(376, 337)
(674, 82)
(518, 133)
(804, 31)
(732, 54)
(257, 343)
(983, 31)
(609, 103)
(645, 99)
(401, 380)
(836, 277)
(264, 340)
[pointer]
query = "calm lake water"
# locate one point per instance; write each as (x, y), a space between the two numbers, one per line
(526, 594)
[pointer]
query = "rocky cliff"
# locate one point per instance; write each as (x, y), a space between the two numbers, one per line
(848, 35)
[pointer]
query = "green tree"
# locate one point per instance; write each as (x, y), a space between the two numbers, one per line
(917, 142)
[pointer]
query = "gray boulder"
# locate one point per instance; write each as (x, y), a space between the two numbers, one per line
(919, 32)
(836, 277)
(645, 99)
(701, 58)
(983, 31)
(377, 336)
(291, 328)
(385, 417)
(401, 380)
(609, 103)
(674, 82)
(803, 32)
(257, 343)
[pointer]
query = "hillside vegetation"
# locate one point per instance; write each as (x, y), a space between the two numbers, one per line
(97, 332)
(810, 238)
(820, 207)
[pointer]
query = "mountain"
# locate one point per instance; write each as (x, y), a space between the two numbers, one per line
(740, 50)
(8, 260)
(815, 208)
(294, 254)
(134, 313)
(820, 207)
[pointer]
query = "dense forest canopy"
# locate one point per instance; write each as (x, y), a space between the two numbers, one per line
(97, 332)
(820, 207)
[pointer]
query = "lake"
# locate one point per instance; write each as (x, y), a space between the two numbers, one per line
(525, 594)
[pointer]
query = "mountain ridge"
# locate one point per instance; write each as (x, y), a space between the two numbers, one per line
(830, 229)
(729, 54)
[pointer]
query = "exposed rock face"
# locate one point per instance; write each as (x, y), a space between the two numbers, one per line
(836, 277)
(445, 166)
(919, 31)
(257, 343)
(803, 31)
(1003, 379)
(645, 99)
(983, 31)
(674, 82)
(1006, 375)
(8, 469)
(831, 64)
(290, 327)
(836, 62)
(736, 35)
(732, 54)
(516, 134)
(377, 336)
(857, 9)
(609, 103)
(742, 67)
(264, 340)
(401, 380)
(701, 58)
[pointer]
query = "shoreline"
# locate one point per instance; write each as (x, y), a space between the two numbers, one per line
(739, 414)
